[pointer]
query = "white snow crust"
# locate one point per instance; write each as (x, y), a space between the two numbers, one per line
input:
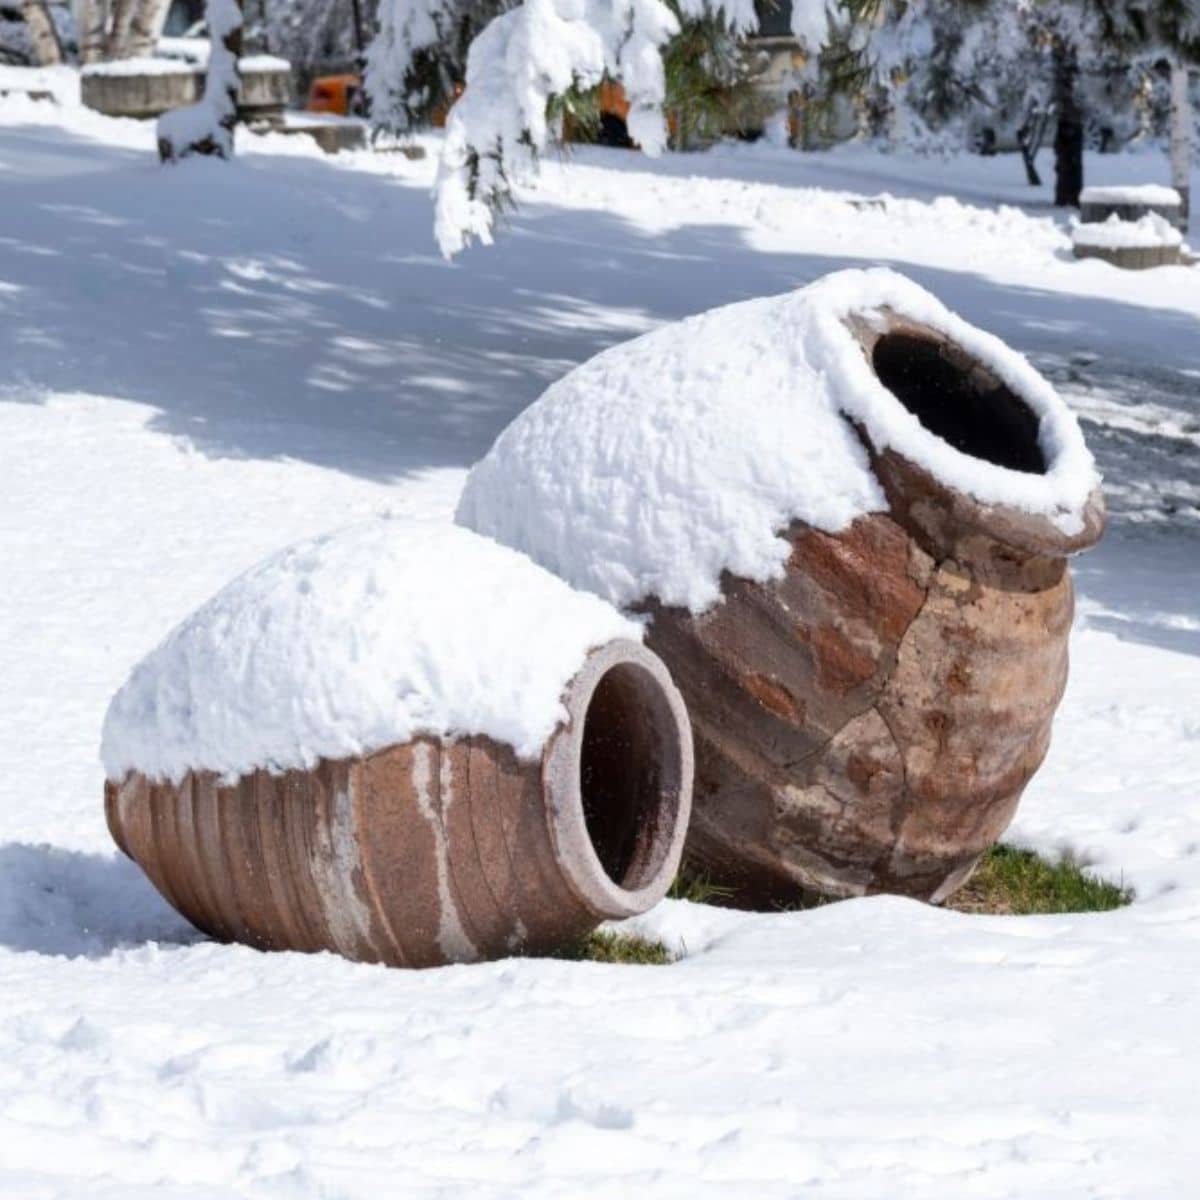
(262, 62)
(354, 641)
(1141, 193)
(1148, 231)
(140, 66)
(662, 462)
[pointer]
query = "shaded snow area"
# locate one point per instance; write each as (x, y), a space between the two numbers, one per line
(663, 462)
(353, 642)
(201, 366)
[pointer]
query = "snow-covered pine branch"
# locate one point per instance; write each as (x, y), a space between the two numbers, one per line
(541, 50)
(420, 54)
(206, 127)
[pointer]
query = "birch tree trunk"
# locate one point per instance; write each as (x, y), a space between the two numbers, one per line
(91, 17)
(1181, 137)
(117, 43)
(47, 50)
(148, 16)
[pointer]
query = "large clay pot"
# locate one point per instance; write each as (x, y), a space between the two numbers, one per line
(846, 514)
(437, 850)
(868, 722)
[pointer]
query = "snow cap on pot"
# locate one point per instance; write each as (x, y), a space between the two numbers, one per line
(406, 743)
(883, 497)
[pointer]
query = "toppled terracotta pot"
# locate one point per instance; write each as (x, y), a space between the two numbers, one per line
(869, 721)
(868, 707)
(444, 844)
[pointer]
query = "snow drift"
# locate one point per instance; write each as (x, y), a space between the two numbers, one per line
(352, 642)
(661, 463)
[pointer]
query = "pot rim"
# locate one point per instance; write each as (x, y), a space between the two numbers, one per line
(1056, 529)
(561, 776)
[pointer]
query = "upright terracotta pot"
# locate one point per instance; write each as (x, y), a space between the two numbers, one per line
(868, 722)
(436, 850)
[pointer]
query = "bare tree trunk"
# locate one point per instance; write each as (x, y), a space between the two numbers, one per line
(47, 49)
(1181, 137)
(91, 17)
(148, 16)
(117, 44)
(1068, 139)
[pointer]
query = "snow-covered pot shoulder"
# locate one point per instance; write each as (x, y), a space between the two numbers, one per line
(847, 514)
(406, 744)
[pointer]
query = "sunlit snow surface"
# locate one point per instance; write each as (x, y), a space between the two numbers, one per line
(201, 365)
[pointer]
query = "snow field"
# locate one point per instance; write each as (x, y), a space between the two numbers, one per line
(194, 375)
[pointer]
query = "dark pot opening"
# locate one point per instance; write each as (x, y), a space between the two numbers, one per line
(628, 775)
(959, 400)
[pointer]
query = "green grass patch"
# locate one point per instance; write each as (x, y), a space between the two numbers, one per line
(693, 883)
(1020, 883)
(602, 945)
(1007, 881)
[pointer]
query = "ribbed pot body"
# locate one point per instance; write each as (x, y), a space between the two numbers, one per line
(434, 850)
(868, 722)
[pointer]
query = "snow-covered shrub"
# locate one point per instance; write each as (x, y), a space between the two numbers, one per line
(207, 126)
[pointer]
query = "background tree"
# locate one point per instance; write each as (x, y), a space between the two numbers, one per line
(521, 71)
(417, 63)
(313, 35)
(108, 30)
(47, 50)
(708, 88)
(1062, 59)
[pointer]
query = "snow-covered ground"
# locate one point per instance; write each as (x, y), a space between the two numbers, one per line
(201, 364)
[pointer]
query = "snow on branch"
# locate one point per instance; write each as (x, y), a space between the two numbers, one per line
(541, 50)
(406, 29)
(206, 127)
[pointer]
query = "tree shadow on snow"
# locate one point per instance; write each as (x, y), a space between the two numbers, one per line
(286, 307)
(283, 306)
(63, 902)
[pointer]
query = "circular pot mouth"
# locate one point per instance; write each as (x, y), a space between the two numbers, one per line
(958, 399)
(618, 781)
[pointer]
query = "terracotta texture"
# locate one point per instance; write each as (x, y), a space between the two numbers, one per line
(868, 722)
(435, 850)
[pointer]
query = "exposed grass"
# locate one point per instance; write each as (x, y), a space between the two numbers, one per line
(1019, 882)
(604, 946)
(693, 883)
(1007, 881)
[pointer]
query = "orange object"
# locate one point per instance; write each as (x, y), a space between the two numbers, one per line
(438, 117)
(613, 100)
(335, 94)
